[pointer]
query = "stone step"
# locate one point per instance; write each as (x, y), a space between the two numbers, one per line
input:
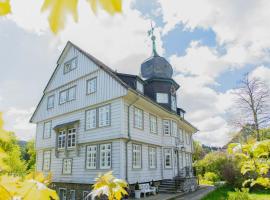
(167, 186)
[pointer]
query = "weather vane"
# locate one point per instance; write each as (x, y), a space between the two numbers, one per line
(153, 38)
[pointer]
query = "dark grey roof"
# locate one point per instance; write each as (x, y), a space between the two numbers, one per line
(156, 67)
(66, 124)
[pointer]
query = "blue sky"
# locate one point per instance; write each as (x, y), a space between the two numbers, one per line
(210, 44)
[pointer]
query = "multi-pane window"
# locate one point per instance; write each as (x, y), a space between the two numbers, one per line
(46, 160)
(70, 65)
(166, 127)
(67, 95)
(162, 98)
(187, 159)
(67, 165)
(50, 102)
(61, 139)
(91, 86)
(168, 158)
(91, 119)
(138, 118)
(152, 157)
(63, 194)
(104, 116)
(181, 135)
(47, 129)
(105, 156)
(187, 138)
(71, 138)
(173, 103)
(91, 157)
(174, 128)
(153, 124)
(72, 195)
(136, 156)
(139, 86)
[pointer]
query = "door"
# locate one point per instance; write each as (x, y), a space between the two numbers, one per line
(176, 163)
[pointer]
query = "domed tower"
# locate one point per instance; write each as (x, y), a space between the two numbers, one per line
(157, 72)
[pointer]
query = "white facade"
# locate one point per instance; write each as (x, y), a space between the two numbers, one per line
(133, 152)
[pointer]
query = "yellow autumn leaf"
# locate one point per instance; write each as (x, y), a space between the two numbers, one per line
(111, 6)
(4, 7)
(58, 12)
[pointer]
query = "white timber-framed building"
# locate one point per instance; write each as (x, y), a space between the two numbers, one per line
(92, 119)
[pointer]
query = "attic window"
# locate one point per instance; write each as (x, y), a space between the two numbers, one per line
(162, 98)
(139, 86)
(70, 65)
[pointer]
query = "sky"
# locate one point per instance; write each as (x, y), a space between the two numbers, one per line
(210, 44)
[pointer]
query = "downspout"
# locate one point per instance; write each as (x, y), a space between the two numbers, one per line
(129, 136)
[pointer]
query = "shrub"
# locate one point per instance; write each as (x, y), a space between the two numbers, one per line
(137, 187)
(211, 176)
(231, 174)
(239, 195)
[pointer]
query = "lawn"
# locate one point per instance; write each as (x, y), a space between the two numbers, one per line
(221, 193)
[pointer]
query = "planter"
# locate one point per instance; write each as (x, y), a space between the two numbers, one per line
(137, 194)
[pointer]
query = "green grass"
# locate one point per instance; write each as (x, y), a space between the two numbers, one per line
(222, 192)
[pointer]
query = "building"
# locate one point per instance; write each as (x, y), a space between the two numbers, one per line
(92, 119)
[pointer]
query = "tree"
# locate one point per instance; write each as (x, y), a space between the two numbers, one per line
(198, 151)
(252, 101)
(29, 155)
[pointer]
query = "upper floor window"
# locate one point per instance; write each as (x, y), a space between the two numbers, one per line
(50, 102)
(61, 139)
(90, 119)
(46, 160)
(187, 138)
(153, 124)
(67, 95)
(91, 86)
(70, 65)
(104, 116)
(138, 118)
(168, 158)
(139, 86)
(173, 103)
(71, 138)
(174, 128)
(47, 129)
(166, 127)
(152, 157)
(136, 156)
(98, 117)
(67, 166)
(162, 98)
(105, 156)
(91, 157)
(181, 135)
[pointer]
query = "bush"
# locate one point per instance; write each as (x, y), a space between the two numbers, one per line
(239, 195)
(211, 176)
(231, 174)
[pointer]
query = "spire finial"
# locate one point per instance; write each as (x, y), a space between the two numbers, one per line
(153, 38)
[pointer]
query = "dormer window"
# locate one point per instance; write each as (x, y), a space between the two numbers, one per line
(139, 86)
(162, 98)
(173, 103)
(70, 65)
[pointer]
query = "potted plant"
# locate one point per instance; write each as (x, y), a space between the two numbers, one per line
(137, 191)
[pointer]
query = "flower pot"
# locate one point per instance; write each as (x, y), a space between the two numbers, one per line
(137, 194)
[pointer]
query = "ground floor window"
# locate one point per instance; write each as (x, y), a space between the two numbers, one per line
(105, 156)
(85, 195)
(46, 160)
(72, 195)
(152, 157)
(67, 166)
(63, 194)
(91, 157)
(136, 156)
(168, 158)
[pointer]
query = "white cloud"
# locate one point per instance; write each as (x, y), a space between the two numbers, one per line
(262, 72)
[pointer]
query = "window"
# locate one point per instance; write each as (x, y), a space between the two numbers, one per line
(173, 103)
(187, 138)
(187, 159)
(67, 95)
(136, 156)
(50, 102)
(91, 86)
(72, 195)
(85, 194)
(46, 160)
(162, 97)
(62, 139)
(139, 86)
(91, 120)
(168, 158)
(153, 124)
(91, 157)
(63, 194)
(47, 129)
(152, 157)
(71, 138)
(67, 165)
(104, 116)
(138, 118)
(105, 156)
(70, 65)
(166, 127)
(181, 136)
(174, 128)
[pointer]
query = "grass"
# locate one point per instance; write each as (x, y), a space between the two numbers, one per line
(222, 192)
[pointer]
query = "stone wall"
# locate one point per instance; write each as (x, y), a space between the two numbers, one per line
(189, 184)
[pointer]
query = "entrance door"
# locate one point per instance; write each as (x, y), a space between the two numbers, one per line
(176, 163)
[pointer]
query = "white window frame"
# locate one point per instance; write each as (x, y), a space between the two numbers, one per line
(187, 138)
(167, 152)
(47, 126)
(152, 153)
(67, 96)
(85, 193)
(104, 119)
(50, 101)
(73, 63)
(173, 103)
(139, 86)
(174, 128)
(65, 193)
(153, 123)
(74, 192)
(91, 119)
(91, 85)
(71, 137)
(61, 139)
(166, 124)
(136, 156)
(106, 155)
(162, 97)
(138, 118)
(91, 156)
(46, 160)
(67, 170)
